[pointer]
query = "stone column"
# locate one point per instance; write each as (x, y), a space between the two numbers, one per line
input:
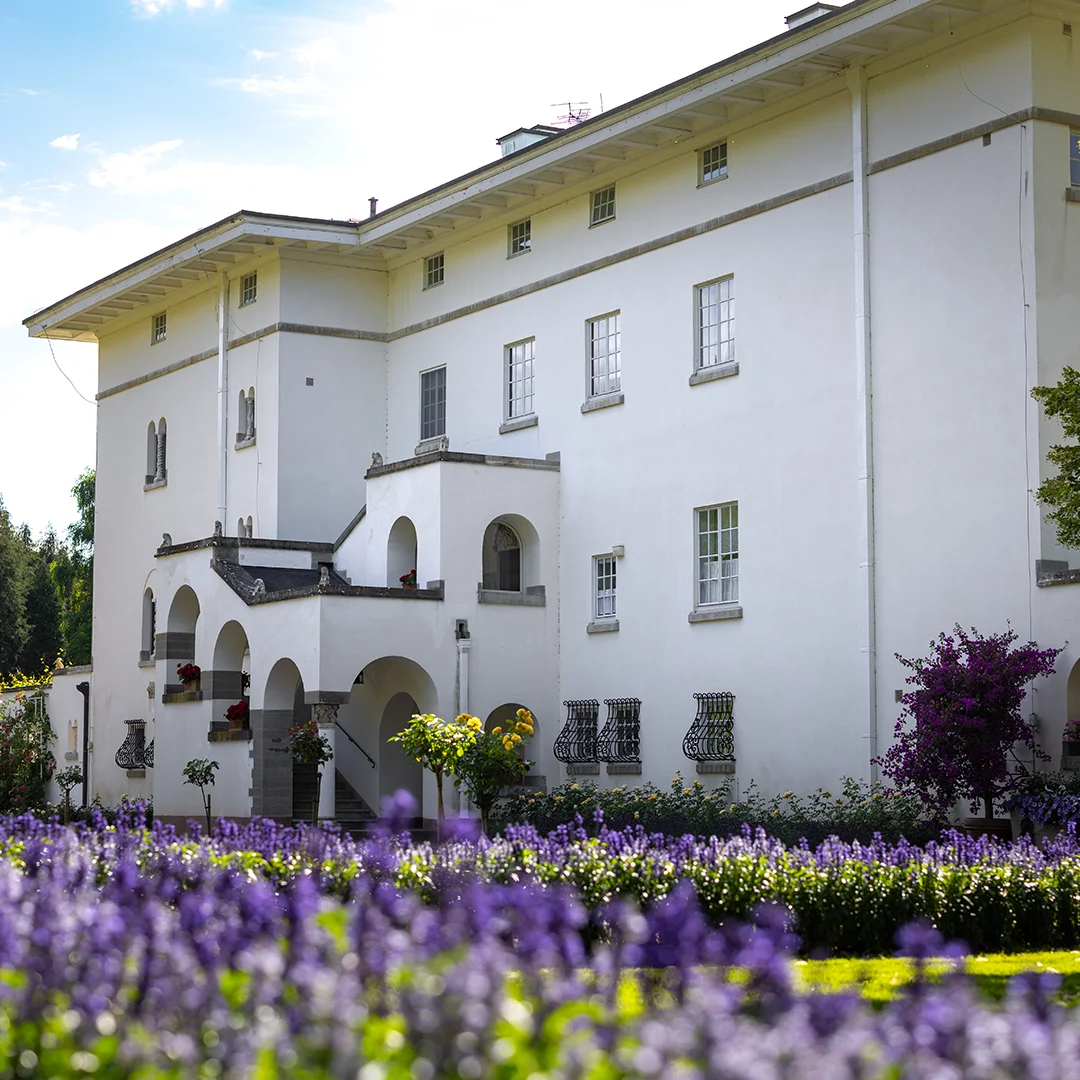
(325, 715)
(159, 458)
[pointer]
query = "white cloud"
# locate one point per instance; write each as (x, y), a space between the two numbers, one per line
(277, 86)
(128, 172)
(258, 54)
(20, 207)
(44, 184)
(4, 165)
(320, 51)
(67, 142)
(150, 8)
(31, 93)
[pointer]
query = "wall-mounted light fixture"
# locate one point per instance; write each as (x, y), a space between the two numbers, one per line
(618, 550)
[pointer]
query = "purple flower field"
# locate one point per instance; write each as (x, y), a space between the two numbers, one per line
(293, 952)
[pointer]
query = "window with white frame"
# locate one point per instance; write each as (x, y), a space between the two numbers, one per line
(519, 379)
(718, 554)
(519, 238)
(249, 289)
(157, 330)
(434, 270)
(604, 587)
(603, 205)
(712, 163)
(605, 347)
(432, 403)
(715, 323)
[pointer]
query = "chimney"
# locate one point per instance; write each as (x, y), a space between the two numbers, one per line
(372, 203)
(522, 137)
(809, 14)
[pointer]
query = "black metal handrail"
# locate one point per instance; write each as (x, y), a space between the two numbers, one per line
(576, 743)
(712, 734)
(355, 743)
(620, 740)
(132, 752)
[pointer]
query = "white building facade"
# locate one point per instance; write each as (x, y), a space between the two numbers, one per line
(685, 539)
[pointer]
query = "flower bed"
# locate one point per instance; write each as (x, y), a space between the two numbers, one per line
(127, 952)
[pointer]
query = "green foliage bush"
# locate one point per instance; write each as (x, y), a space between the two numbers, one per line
(857, 813)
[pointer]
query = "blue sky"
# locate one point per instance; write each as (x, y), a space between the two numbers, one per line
(125, 124)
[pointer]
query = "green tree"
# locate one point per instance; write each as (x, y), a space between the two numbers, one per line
(1062, 492)
(12, 623)
(438, 745)
(42, 614)
(73, 574)
(494, 762)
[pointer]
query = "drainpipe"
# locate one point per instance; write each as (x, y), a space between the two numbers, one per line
(223, 400)
(84, 689)
(864, 407)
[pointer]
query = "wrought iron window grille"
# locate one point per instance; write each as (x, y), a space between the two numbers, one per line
(132, 752)
(148, 754)
(712, 734)
(620, 740)
(576, 743)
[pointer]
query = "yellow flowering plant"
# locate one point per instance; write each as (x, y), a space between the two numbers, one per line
(493, 763)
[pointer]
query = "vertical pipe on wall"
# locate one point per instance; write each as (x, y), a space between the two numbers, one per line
(864, 407)
(223, 399)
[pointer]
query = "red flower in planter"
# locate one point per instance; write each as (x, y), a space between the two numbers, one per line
(409, 578)
(238, 711)
(187, 672)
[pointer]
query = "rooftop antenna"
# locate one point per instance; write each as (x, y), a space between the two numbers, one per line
(576, 112)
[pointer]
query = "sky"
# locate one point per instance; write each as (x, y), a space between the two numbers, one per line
(126, 124)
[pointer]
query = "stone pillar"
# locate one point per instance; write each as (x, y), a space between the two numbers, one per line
(159, 458)
(325, 715)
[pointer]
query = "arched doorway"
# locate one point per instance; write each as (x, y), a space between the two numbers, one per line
(400, 552)
(180, 629)
(396, 769)
(283, 706)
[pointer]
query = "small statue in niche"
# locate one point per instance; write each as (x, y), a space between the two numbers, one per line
(219, 532)
(324, 576)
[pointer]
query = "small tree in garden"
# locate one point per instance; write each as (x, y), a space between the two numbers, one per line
(66, 779)
(311, 748)
(200, 773)
(494, 762)
(26, 762)
(962, 718)
(1062, 492)
(438, 745)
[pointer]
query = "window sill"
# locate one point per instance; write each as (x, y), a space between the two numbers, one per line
(518, 423)
(247, 303)
(431, 446)
(151, 485)
(597, 224)
(1072, 194)
(717, 371)
(243, 442)
(230, 735)
(721, 768)
(583, 768)
(146, 660)
(518, 254)
(709, 183)
(434, 285)
(603, 401)
(720, 613)
(181, 698)
(624, 768)
(136, 774)
(602, 626)
(533, 596)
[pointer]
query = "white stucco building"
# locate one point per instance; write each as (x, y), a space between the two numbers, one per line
(529, 384)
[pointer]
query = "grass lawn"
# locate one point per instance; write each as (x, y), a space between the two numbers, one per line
(881, 979)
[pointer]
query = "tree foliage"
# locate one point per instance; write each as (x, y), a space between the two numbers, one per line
(1062, 492)
(494, 762)
(963, 716)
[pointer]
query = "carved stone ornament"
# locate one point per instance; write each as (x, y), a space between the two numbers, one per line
(150, 691)
(166, 540)
(219, 532)
(376, 460)
(324, 576)
(259, 588)
(325, 715)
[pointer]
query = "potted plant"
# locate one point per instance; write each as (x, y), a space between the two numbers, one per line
(310, 747)
(408, 581)
(1046, 803)
(191, 676)
(237, 715)
(961, 719)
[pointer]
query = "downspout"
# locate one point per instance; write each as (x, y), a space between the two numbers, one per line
(84, 689)
(864, 407)
(223, 400)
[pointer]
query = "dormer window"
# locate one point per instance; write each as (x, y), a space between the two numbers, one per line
(712, 163)
(434, 270)
(249, 289)
(157, 330)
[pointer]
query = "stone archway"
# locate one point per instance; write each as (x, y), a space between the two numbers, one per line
(283, 706)
(179, 643)
(225, 681)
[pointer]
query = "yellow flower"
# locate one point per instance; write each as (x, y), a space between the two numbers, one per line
(523, 728)
(515, 738)
(524, 715)
(475, 723)
(496, 731)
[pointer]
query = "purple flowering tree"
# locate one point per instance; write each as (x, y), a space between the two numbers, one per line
(962, 718)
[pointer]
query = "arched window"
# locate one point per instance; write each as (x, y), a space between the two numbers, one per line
(502, 558)
(156, 471)
(241, 530)
(250, 533)
(400, 552)
(245, 416)
(250, 414)
(149, 626)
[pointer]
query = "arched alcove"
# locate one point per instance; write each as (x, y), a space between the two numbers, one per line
(505, 716)
(511, 554)
(396, 769)
(249, 531)
(151, 452)
(1072, 693)
(240, 530)
(183, 618)
(400, 551)
(147, 646)
(283, 707)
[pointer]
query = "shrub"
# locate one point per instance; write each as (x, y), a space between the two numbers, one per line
(26, 762)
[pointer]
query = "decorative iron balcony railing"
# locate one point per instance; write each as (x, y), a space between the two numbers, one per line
(712, 734)
(148, 754)
(576, 743)
(132, 752)
(620, 740)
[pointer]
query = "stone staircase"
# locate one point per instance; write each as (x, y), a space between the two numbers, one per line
(350, 811)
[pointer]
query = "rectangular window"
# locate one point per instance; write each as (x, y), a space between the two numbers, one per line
(713, 163)
(249, 289)
(718, 554)
(605, 344)
(520, 238)
(604, 586)
(432, 403)
(603, 206)
(157, 332)
(715, 323)
(1074, 159)
(519, 379)
(434, 270)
